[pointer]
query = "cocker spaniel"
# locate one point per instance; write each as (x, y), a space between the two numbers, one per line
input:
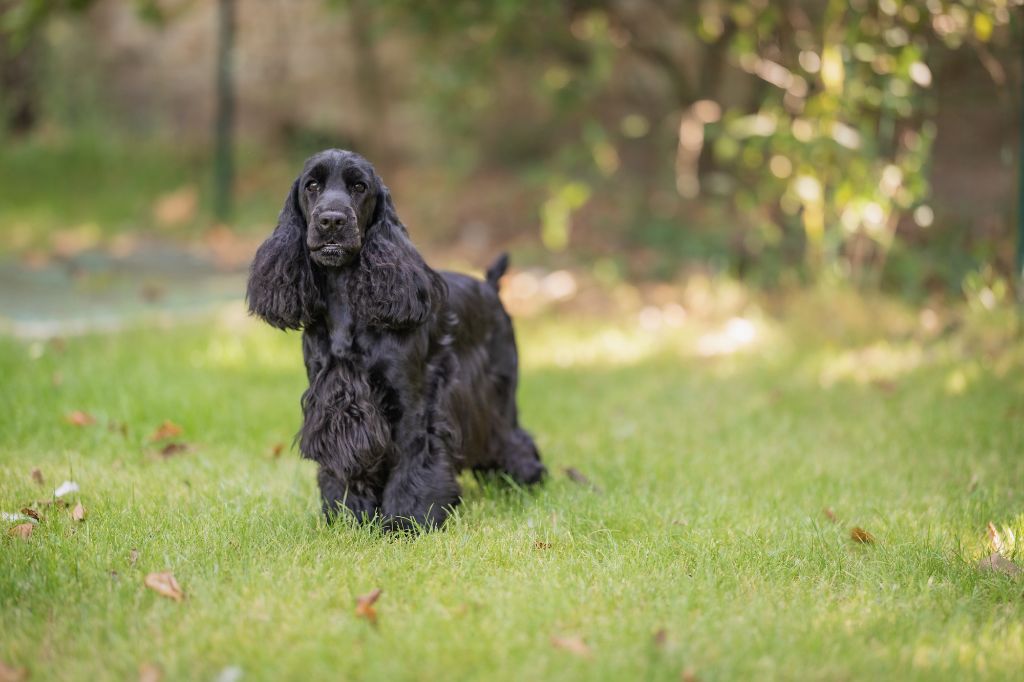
(412, 372)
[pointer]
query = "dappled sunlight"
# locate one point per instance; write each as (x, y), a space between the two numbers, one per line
(737, 334)
(653, 331)
(244, 343)
(878, 362)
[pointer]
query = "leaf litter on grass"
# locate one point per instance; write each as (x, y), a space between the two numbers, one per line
(79, 418)
(365, 605)
(9, 673)
(164, 583)
(22, 530)
(858, 534)
(78, 513)
(165, 431)
(574, 644)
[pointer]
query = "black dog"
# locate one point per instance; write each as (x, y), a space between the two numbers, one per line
(412, 372)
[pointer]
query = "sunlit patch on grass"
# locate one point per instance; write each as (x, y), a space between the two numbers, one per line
(878, 362)
(737, 334)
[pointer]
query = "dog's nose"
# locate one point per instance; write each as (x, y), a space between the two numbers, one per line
(332, 221)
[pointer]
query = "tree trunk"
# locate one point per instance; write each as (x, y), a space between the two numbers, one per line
(224, 125)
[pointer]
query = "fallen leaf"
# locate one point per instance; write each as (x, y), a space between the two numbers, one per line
(1004, 542)
(688, 675)
(79, 418)
(37, 476)
(78, 513)
(574, 644)
(858, 534)
(165, 584)
(276, 451)
(172, 449)
(11, 674)
(55, 502)
(999, 564)
(660, 638)
(884, 385)
(22, 530)
(150, 673)
(166, 430)
(830, 514)
(541, 545)
(65, 488)
(133, 556)
(576, 476)
(364, 605)
(29, 511)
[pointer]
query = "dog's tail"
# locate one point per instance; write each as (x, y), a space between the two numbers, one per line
(497, 269)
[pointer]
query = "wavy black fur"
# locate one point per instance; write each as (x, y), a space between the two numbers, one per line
(412, 373)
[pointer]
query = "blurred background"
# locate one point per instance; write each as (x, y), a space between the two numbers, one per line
(616, 148)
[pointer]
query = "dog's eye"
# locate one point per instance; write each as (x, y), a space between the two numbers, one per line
(359, 188)
(312, 186)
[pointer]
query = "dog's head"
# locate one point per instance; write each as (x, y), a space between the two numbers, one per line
(339, 197)
(337, 215)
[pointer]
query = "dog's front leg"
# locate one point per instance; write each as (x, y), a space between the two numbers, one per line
(360, 498)
(422, 487)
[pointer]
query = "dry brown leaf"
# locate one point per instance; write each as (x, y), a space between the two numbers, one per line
(574, 644)
(364, 605)
(9, 673)
(688, 675)
(1002, 543)
(56, 502)
(133, 556)
(166, 430)
(830, 514)
(79, 418)
(29, 511)
(78, 513)
(660, 638)
(276, 451)
(541, 545)
(165, 584)
(150, 673)
(22, 530)
(999, 564)
(577, 476)
(858, 534)
(172, 449)
(37, 476)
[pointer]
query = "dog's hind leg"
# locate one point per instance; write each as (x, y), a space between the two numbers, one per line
(518, 457)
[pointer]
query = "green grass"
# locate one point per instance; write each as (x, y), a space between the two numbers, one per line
(108, 186)
(710, 527)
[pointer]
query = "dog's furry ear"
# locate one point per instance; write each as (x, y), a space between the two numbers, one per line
(395, 286)
(281, 287)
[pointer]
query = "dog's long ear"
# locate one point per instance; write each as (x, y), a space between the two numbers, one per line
(281, 287)
(395, 286)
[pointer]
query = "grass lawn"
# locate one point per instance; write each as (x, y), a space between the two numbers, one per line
(706, 553)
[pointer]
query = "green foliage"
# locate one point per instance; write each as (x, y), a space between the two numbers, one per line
(813, 119)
